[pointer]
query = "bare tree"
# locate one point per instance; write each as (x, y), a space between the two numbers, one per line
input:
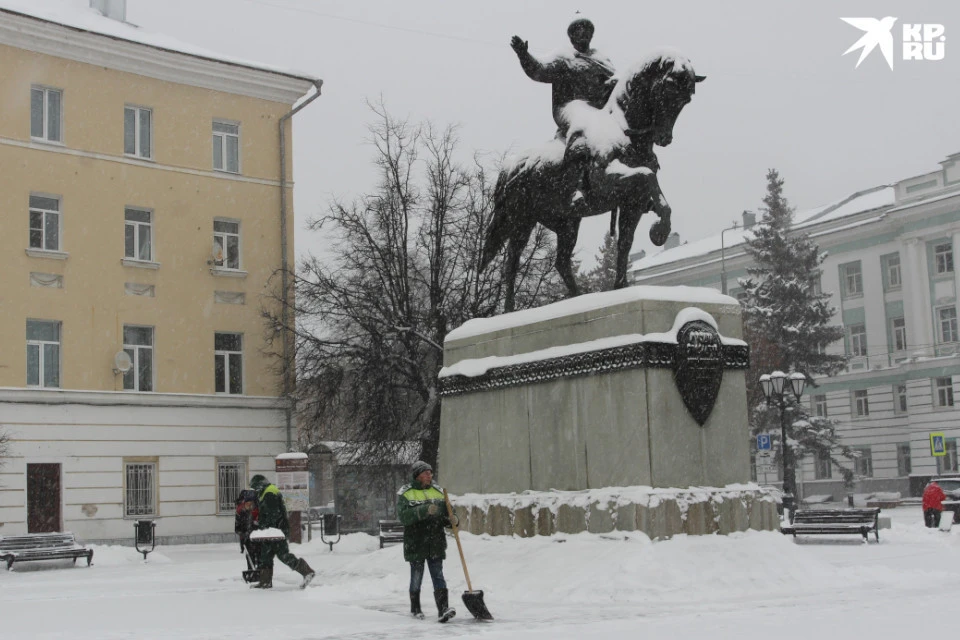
(372, 318)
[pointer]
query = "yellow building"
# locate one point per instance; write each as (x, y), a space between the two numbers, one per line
(141, 233)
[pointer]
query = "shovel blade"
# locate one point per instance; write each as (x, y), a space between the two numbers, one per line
(251, 576)
(473, 600)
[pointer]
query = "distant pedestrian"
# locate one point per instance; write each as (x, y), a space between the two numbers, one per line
(422, 510)
(273, 515)
(933, 497)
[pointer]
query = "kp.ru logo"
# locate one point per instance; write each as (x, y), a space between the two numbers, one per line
(920, 41)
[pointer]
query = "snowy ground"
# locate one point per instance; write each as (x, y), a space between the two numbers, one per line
(752, 585)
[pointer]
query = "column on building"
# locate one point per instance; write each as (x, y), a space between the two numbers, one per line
(916, 293)
(874, 311)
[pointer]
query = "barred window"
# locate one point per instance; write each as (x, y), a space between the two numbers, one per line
(231, 479)
(141, 489)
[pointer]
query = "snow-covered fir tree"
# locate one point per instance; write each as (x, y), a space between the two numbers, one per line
(787, 322)
(602, 276)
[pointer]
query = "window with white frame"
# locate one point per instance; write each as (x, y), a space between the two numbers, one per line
(900, 398)
(858, 340)
(228, 362)
(863, 463)
(943, 391)
(138, 132)
(138, 234)
(816, 285)
(898, 331)
(231, 479)
(44, 223)
(943, 257)
(819, 405)
(852, 279)
(947, 323)
(904, 464)
(43, 353)
(140, 489)
(226, 146)
(822, 468)
(948, 462)
(861, 404)
(46, 114)
(138, 343)
(891, 268)
(226, 244)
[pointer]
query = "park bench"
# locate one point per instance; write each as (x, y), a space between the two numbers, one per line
(391, 531)
(834, 522)
(42, 546)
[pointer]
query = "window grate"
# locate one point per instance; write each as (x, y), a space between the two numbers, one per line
(230, 481)
(141, 488)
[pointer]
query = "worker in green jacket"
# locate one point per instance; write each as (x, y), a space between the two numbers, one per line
(422, 510)
(273, 515)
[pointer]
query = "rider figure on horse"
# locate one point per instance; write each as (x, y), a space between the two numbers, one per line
(581, 74)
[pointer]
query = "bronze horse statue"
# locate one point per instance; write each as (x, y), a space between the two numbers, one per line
(605, 164)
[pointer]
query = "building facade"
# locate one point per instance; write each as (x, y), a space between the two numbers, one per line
(141, 233)
(891, 273)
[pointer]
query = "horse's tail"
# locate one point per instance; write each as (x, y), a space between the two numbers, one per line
(499, 230)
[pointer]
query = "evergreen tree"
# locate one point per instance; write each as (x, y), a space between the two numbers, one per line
(602, 276)
(787, 324)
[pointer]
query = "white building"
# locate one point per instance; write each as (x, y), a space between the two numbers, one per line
(891, 272)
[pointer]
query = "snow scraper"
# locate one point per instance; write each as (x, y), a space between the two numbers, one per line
(473, 600)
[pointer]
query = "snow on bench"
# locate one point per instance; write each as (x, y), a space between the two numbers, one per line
(834, 522)
(42, 546)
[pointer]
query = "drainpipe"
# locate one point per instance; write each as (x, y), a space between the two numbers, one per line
(288, 367)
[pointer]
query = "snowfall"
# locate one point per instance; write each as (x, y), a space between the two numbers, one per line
(622, 585)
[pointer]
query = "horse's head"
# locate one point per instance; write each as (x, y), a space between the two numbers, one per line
(654, 93)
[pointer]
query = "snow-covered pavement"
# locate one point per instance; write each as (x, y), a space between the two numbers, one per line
(752, 585)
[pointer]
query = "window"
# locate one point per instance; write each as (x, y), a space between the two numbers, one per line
(140, 489)
(226, 244)
(228, 362)
(891, 271)
(822, 469)
(226, 146)
(861, 404)
(858, 340)
(46, 114)
(852, 279)
(944, 391)
(900, 398)
(137, 234)
(138, 343)
(898, 330)
(43, 354)
(904, 466)
(44, 223)
(943, 257)
(947, 323)
(819, 405)
(816, 285)
(231, 478)
(138, 132)
(863, 463)
(948, 463)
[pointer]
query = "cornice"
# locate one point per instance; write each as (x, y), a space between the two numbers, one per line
(50, 38)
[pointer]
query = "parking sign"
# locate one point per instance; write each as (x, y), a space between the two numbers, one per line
(937, 446)
(763, 442)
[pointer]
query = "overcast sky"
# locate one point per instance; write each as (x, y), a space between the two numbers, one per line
(778, 94)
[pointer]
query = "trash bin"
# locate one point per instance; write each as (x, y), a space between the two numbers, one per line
(330, 527)
(145, 536)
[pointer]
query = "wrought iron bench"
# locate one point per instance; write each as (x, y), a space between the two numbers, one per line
(391, 531)
(835, 522)
(42, 546)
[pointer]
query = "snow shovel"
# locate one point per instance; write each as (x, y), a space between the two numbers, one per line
(473, 600)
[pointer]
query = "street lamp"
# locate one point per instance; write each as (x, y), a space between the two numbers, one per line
(723, 262)
(775, 389)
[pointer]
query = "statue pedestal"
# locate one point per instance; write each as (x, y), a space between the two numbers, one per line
(596, 392)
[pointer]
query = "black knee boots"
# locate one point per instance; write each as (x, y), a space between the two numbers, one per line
(444, 611)
(415, 609)
(304, 569)
(266, 578)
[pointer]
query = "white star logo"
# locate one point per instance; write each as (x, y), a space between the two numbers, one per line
(878, 32)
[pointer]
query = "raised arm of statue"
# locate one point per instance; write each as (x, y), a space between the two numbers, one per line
(534, 69)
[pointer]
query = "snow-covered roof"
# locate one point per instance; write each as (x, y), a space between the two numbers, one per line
(859, 202)
(78, 17)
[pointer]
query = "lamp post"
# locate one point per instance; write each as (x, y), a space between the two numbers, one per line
(723, 262)
(775, 389)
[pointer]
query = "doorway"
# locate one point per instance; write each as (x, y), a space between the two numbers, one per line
(43, 498)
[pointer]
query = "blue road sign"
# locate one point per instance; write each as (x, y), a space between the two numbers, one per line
(763, 442)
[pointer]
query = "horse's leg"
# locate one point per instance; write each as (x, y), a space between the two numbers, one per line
(660, 229)
(515, 246)
(566, 242)
(629, 219)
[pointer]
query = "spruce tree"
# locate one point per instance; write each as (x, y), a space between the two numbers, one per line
(787, 324)
(602, 276)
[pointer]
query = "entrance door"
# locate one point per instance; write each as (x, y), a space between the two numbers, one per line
(43, 498)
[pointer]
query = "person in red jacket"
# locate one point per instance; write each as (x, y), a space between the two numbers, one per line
(933, 497)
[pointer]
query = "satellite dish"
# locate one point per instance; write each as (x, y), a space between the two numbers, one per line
(122, 362)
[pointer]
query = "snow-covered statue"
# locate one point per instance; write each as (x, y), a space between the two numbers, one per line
(602, 159)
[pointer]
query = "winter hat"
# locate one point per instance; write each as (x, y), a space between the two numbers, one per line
(419, 467)
(580, 20)
(258, 482)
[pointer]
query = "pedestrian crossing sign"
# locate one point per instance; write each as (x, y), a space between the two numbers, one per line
(937, 446)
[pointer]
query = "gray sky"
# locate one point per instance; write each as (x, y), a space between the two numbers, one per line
(778, 94)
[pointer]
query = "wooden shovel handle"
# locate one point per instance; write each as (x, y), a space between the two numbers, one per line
(456, 535)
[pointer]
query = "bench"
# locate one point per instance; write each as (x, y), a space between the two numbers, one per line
(42, 546)
(834, 522)
(391, 531)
